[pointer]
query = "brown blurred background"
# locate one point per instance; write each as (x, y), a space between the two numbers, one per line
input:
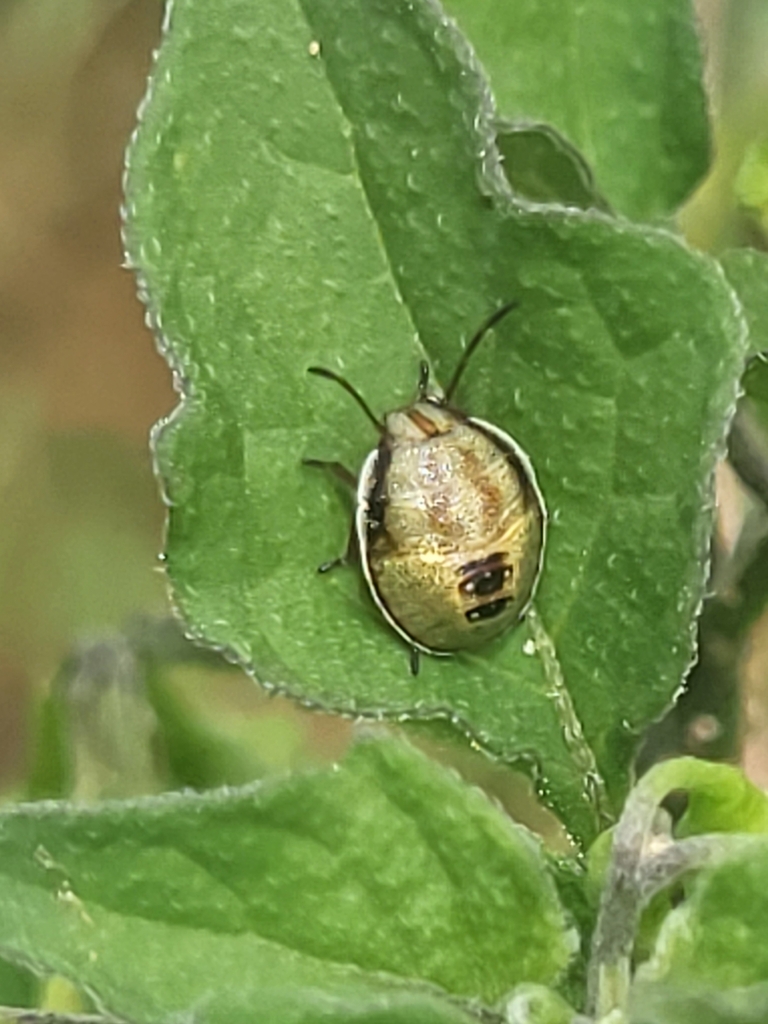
(80, 380)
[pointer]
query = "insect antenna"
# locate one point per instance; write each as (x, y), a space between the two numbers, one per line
(492, 320)
(321, 372)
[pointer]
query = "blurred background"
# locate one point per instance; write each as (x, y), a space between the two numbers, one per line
(85, 639)
(83, 605)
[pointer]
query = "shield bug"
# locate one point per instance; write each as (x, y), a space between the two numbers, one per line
(449, 522)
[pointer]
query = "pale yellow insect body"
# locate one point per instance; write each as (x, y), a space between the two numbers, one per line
(450, 526)
(450, 521)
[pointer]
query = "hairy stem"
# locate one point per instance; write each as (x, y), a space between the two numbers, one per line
(645, 859)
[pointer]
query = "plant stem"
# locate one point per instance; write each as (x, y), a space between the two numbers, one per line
(620, 907)
(644, 860)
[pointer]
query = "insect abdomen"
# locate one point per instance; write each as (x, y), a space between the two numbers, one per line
(450, 559)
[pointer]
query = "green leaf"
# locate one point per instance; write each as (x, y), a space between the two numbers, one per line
(720, 799)
(18, 987)
(751, 183)
(542, 166)
(535, 1004)
(320, 882)
(621, 80)
(668, 1004)
(202, 752)
(573, 889)
(747, 272)
(311, 182)
(718, 938)
(58, 1016)
(756, 392)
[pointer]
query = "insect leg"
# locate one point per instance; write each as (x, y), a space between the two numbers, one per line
(350, 555)
(339, 471)
(415, 660)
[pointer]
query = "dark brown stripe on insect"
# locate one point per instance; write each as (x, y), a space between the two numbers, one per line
(424, 423)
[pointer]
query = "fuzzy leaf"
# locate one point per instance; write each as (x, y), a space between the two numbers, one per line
(713, 949)
(542, 166)
(621, 80)
(747, 271)
(286, 897)
(310, 183)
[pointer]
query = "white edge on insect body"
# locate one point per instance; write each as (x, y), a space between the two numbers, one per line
(365, 486)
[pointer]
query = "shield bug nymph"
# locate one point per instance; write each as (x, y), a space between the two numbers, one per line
(449, 523)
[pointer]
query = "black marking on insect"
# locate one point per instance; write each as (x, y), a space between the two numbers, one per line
(485, 576)
(378, 500)
(486, 611)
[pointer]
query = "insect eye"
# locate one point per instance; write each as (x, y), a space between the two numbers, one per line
(486, 611)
